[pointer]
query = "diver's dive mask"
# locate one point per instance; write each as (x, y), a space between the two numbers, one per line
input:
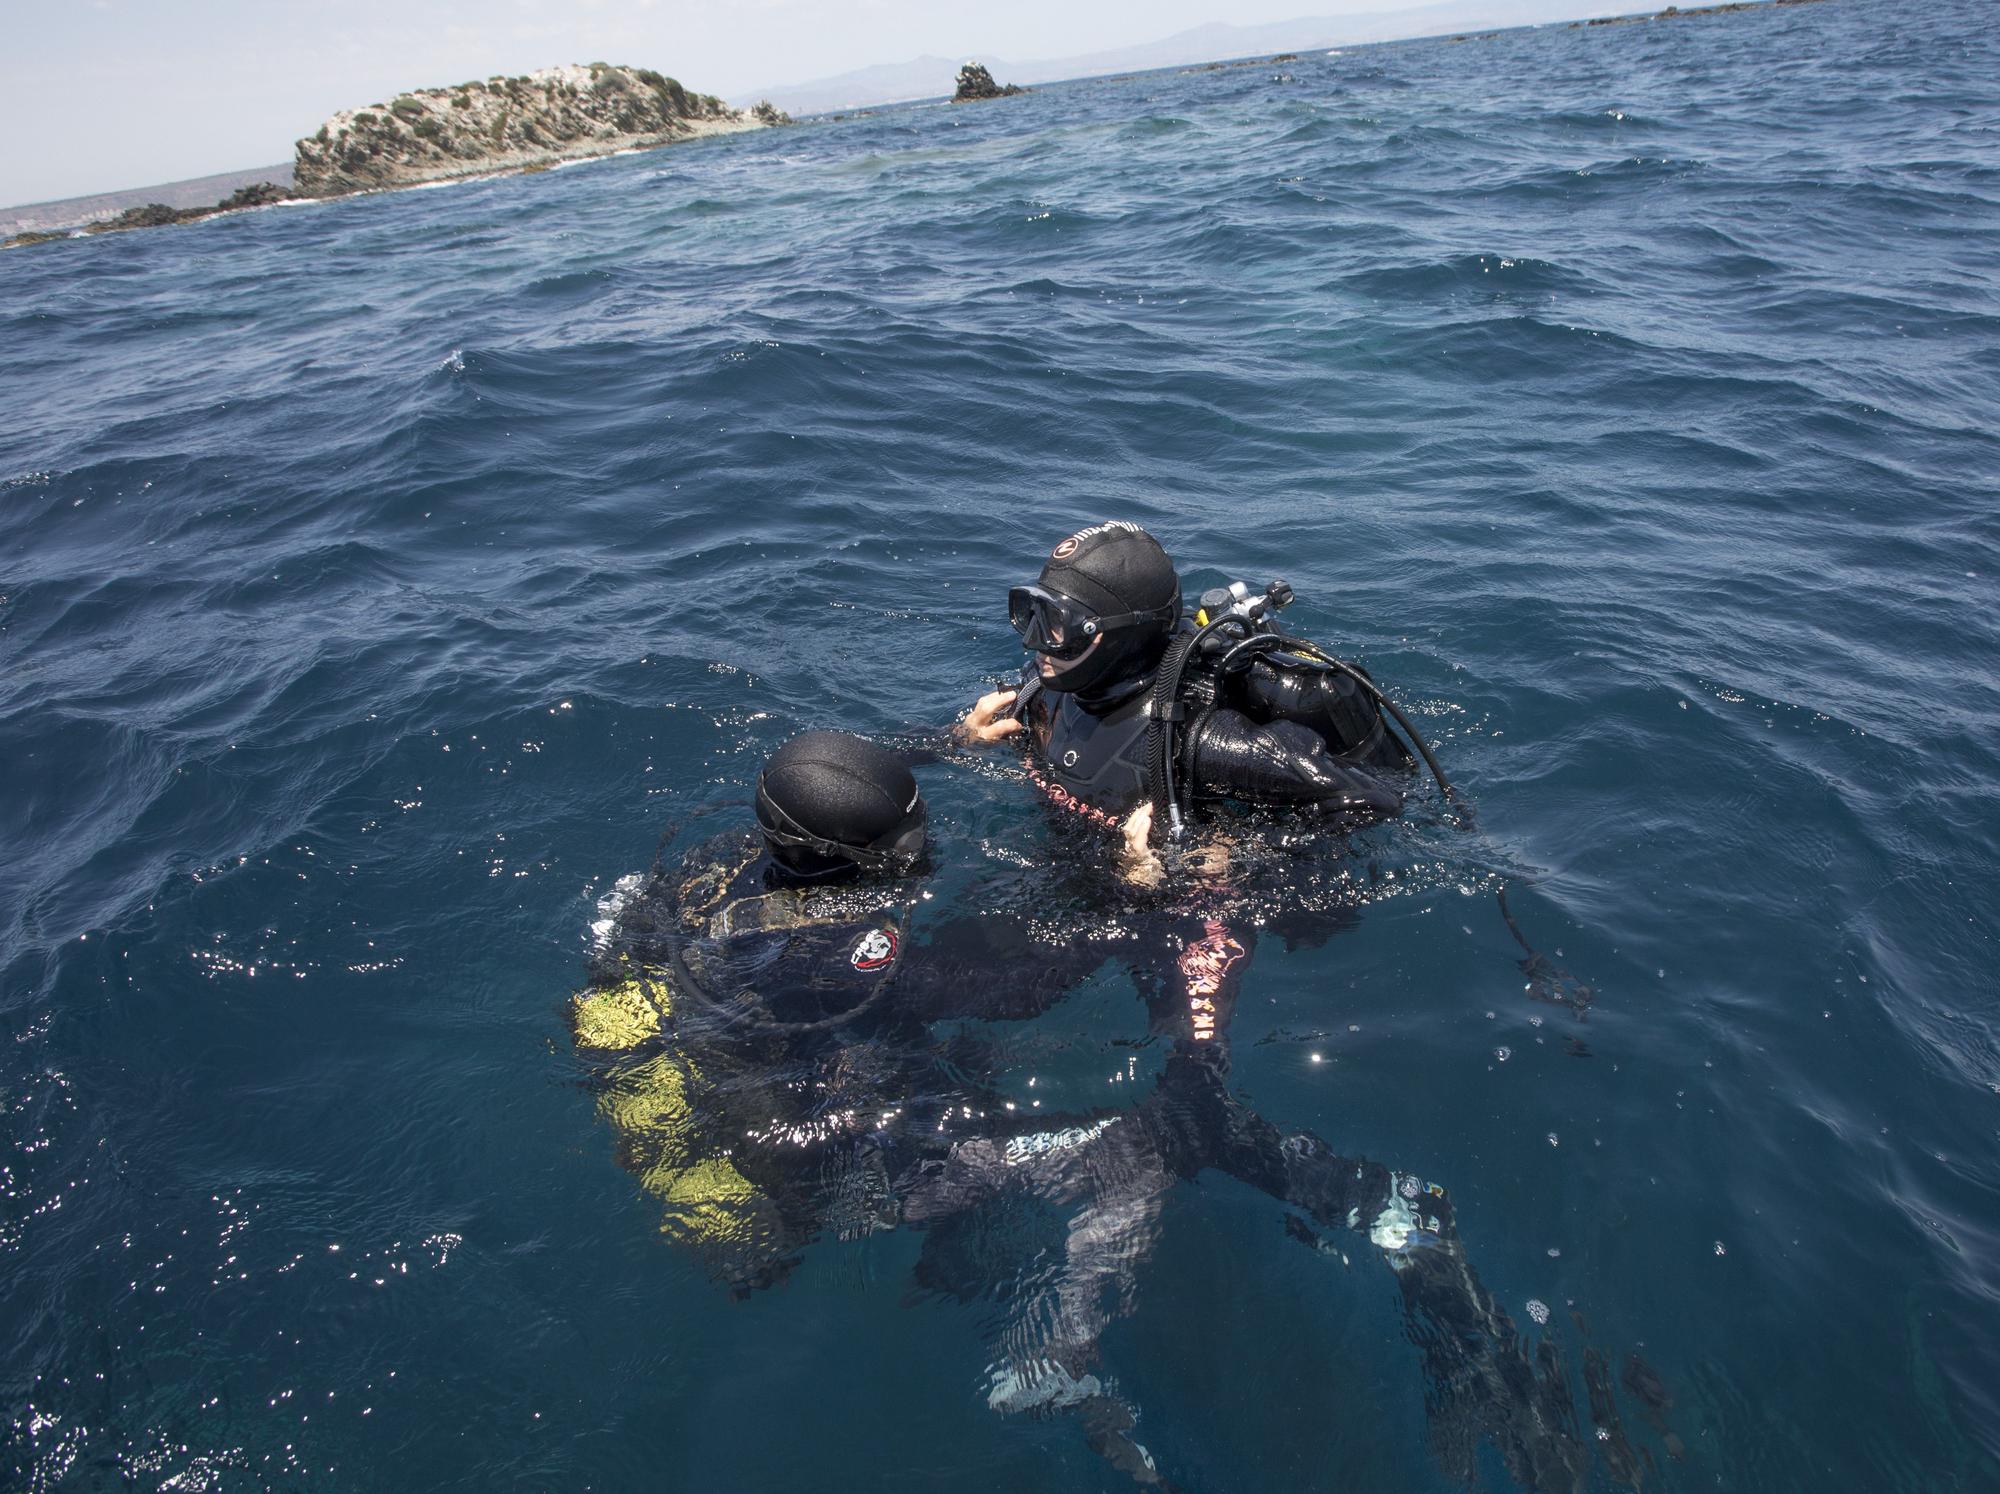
(896, 851)
(1062, 627)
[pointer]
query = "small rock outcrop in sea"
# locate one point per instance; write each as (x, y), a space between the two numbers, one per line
(510, 124)
(974, 82)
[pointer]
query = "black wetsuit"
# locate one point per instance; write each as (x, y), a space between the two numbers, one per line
(780, 1078)
(764, 1045)
(1285, 732)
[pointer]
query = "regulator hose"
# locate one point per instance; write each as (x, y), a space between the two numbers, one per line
(1314, 651)
(1168, 712)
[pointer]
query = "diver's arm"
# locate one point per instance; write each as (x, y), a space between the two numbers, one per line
(1281, 763)
(1333, 705)
(1190, 989)
(990, 969)
(990, 719)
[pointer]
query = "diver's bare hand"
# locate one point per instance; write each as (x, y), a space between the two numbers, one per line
(1138, 863)
(984, 725)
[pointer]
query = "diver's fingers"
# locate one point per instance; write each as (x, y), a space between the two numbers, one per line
(1138, 826)
(1139, 865)
(979, 725)
(984, 728)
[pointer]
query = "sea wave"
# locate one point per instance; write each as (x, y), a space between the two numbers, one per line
(380, 584)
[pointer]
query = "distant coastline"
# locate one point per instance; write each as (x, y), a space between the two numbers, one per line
(924, 79)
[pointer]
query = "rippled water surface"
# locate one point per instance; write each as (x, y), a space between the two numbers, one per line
(378, 579)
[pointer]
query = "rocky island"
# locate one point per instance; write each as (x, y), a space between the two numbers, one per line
(975, 82)
(510, 124)
(502, 124)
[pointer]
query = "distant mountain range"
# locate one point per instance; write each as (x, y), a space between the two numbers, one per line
(931, 77)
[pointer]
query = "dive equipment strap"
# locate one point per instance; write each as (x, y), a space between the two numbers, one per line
(1165, 713)
(1024, 697)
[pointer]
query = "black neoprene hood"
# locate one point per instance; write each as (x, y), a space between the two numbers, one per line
(1111, 568)
(1114, 568)
(836, 788)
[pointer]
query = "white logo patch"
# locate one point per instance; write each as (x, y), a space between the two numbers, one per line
(1068, 547)
(876, 950)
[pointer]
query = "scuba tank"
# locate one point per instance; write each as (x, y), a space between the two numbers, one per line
(1234, 629)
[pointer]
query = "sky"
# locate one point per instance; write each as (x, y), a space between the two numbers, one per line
(105, 95)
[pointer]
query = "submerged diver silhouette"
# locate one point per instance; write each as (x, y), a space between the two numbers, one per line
(763, 1013)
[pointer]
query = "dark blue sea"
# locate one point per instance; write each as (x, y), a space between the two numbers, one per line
(380, 580)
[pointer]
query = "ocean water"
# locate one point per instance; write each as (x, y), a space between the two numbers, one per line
(380, 579)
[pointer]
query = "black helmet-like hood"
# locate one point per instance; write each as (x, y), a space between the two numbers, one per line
(1114, 568)
(827, 801)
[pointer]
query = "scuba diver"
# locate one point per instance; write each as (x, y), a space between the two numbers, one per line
(780, 1058)
(761, 995)
(1128, 701)
(1133, 703)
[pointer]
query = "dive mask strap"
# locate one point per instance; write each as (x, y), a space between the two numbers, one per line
(895, 850)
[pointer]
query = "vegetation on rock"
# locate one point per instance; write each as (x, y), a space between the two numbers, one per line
(502, 124)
